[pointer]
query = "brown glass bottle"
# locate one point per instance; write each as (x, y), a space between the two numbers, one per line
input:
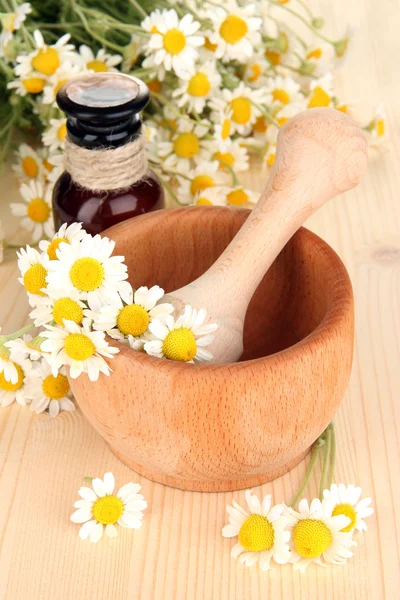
(103, 113)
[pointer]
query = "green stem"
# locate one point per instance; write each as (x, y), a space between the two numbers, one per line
(327, 455)
(235, 180)
(265, 113)
(138, 8)
(306, 8)
(318, 445)
(303, 20)
(171, 106)
(333, 457)
(20, 332)
(88, 479)
(170, 190)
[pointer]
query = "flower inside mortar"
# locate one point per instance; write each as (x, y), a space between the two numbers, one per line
(100, 509)
(347, 502)
(261, 531)
(318, 534)
(183, 339)
(131, 314)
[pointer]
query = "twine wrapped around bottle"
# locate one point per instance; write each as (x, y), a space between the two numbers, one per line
(109, 168)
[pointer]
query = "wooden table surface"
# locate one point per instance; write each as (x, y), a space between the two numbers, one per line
(179, 552)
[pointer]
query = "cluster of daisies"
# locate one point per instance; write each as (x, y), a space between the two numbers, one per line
(321, 532)
(223, 77)
(79, 293)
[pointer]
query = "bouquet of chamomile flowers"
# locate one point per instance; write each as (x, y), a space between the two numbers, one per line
(223, 77)
(79, 293)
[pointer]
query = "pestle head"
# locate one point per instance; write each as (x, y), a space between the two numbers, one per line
(321, 153)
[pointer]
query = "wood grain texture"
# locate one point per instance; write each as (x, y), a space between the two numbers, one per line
(229, 426)
(179, 553)
(320, 153)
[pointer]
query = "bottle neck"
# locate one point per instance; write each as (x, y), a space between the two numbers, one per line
(103, 167)
(100, 133)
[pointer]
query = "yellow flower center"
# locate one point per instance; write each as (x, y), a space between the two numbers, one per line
(199, 85)
(180, 344)
(8, 22)
(38, 210)
(35, 279)
(62, 132)
(46, 61)
(226, 129)
(55, 388)
(241, 110)
(319, 97)
(282, 121)
(316, 53)
(256, 534)
(58, 85)
(380, 128)
(270, 159)
(343, 108)
(97, 65)
(256, 71)
(34, 85)
(47, 165)
(29, 166)
(108, 509)
(273, 57)
(237, 198)
(66, 308)
(7, 386)
(53, 247)
(200, 183)
(174, 41)
(154, 85)
(209, 45)
(281, 96)
(87, 274)
(260, 125)
(186, 145)
(133, 320)
(224, 157)
(233, 29)
(348, 511)
(311, 537)
(79, 346)
(203, 202)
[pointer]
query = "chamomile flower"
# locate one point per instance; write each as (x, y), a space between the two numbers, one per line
(186, 147)
(34, 269)
(346, 501)
(101, 510)
(78, 347)
(269, 156)
(261, 530)
(8, 370)
(54, 136)
(58, 305)
(45, 59)
(284, 90)
(321, 57)
(65, 235)
(23, 347)
(11, 22)
(66, 72)
(256, 69)
(244, 102)
(282, 116)
(10, 391)
(206, 175)
(29, 164)
(321, 91)
(235, 155)
(196, 89)
(239, 196)
(222, 120)
(54, 165)
(132, 314)
(35, 210)
(236, 30)
(33, 84)
(100, 62)
(87, 266)
(213, 196)
(318, 535)
(377, 126)
(48, 392)
(173, 44)
(183, 339)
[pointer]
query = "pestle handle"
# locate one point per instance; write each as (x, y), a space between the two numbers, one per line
(321, 153)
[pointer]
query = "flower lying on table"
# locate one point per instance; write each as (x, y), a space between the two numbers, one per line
(100, 509)
(78, 291)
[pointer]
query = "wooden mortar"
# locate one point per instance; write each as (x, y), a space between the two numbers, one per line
(227, 426)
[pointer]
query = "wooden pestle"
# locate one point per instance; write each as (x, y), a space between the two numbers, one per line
(321, 153)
